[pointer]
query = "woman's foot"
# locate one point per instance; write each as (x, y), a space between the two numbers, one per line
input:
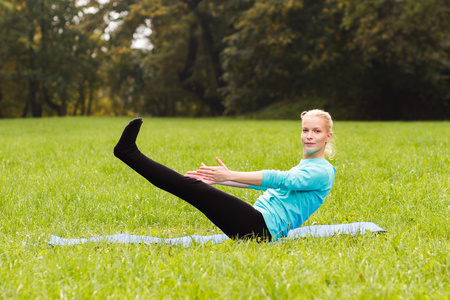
(127, 141)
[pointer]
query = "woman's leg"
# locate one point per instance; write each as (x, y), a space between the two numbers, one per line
(234, 217)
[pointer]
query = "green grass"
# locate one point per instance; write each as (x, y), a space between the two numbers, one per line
(59, 177)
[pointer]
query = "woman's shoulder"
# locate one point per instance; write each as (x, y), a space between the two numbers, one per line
(316, 163)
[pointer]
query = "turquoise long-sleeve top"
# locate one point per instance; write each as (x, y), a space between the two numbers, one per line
(291, 197)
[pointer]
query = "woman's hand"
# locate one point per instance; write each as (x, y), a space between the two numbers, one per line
(198, 176)
(216, 174)
(221, 175)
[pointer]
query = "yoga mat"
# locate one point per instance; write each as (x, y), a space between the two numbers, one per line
(315, 231)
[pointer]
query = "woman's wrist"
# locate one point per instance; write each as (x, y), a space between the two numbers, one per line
(233, 176)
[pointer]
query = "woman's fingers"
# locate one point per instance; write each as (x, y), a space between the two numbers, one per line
(192, 173)
(205, 168)
(221, 163)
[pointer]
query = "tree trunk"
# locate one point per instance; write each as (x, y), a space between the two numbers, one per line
(90, 100)
(1, 98)
(33, 86)
(81, 101)
(191, 56)
(82, 96)
(75, 108)
(36, 107)
(49, 102)
(214, 103)
(64, 101)
(25, 110)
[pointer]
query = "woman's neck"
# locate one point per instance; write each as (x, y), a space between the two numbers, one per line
(313, 155)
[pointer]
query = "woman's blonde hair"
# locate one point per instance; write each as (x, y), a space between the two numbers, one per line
(330, 149)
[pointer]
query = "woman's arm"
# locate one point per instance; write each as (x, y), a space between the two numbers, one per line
(196, 175)
(222, 174)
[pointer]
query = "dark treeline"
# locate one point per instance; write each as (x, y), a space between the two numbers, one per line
(373, 60)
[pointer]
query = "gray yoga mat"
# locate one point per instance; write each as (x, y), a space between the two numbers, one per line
(186, 241)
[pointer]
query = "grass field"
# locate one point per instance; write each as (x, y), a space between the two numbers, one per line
(59, 177)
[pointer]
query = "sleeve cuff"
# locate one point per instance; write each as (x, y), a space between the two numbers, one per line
(255, 187)
(266, 178)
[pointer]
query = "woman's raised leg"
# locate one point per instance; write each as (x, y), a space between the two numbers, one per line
(234, 217)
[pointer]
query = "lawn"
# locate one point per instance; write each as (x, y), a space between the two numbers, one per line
(59, 177)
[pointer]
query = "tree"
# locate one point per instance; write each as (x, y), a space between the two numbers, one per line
(380, 59)
(376, 59)
(45, 50)
(404, 48)
(184, 66)
(275, 52)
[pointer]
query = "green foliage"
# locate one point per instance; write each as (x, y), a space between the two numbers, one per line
(381, 59)
(49, 61)
(401, 49)
(184, 66)
(373, 60)
(274, 45)
(59, 177)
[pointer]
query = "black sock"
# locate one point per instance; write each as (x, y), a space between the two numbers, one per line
(127, 141)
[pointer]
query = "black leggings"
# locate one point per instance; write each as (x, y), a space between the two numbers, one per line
(236, 218)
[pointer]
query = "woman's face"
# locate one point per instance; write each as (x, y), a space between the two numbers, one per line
(315, 137)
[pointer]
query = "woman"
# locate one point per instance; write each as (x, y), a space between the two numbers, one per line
(289, 199)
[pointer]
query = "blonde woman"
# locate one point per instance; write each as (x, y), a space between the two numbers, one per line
(289, 198)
